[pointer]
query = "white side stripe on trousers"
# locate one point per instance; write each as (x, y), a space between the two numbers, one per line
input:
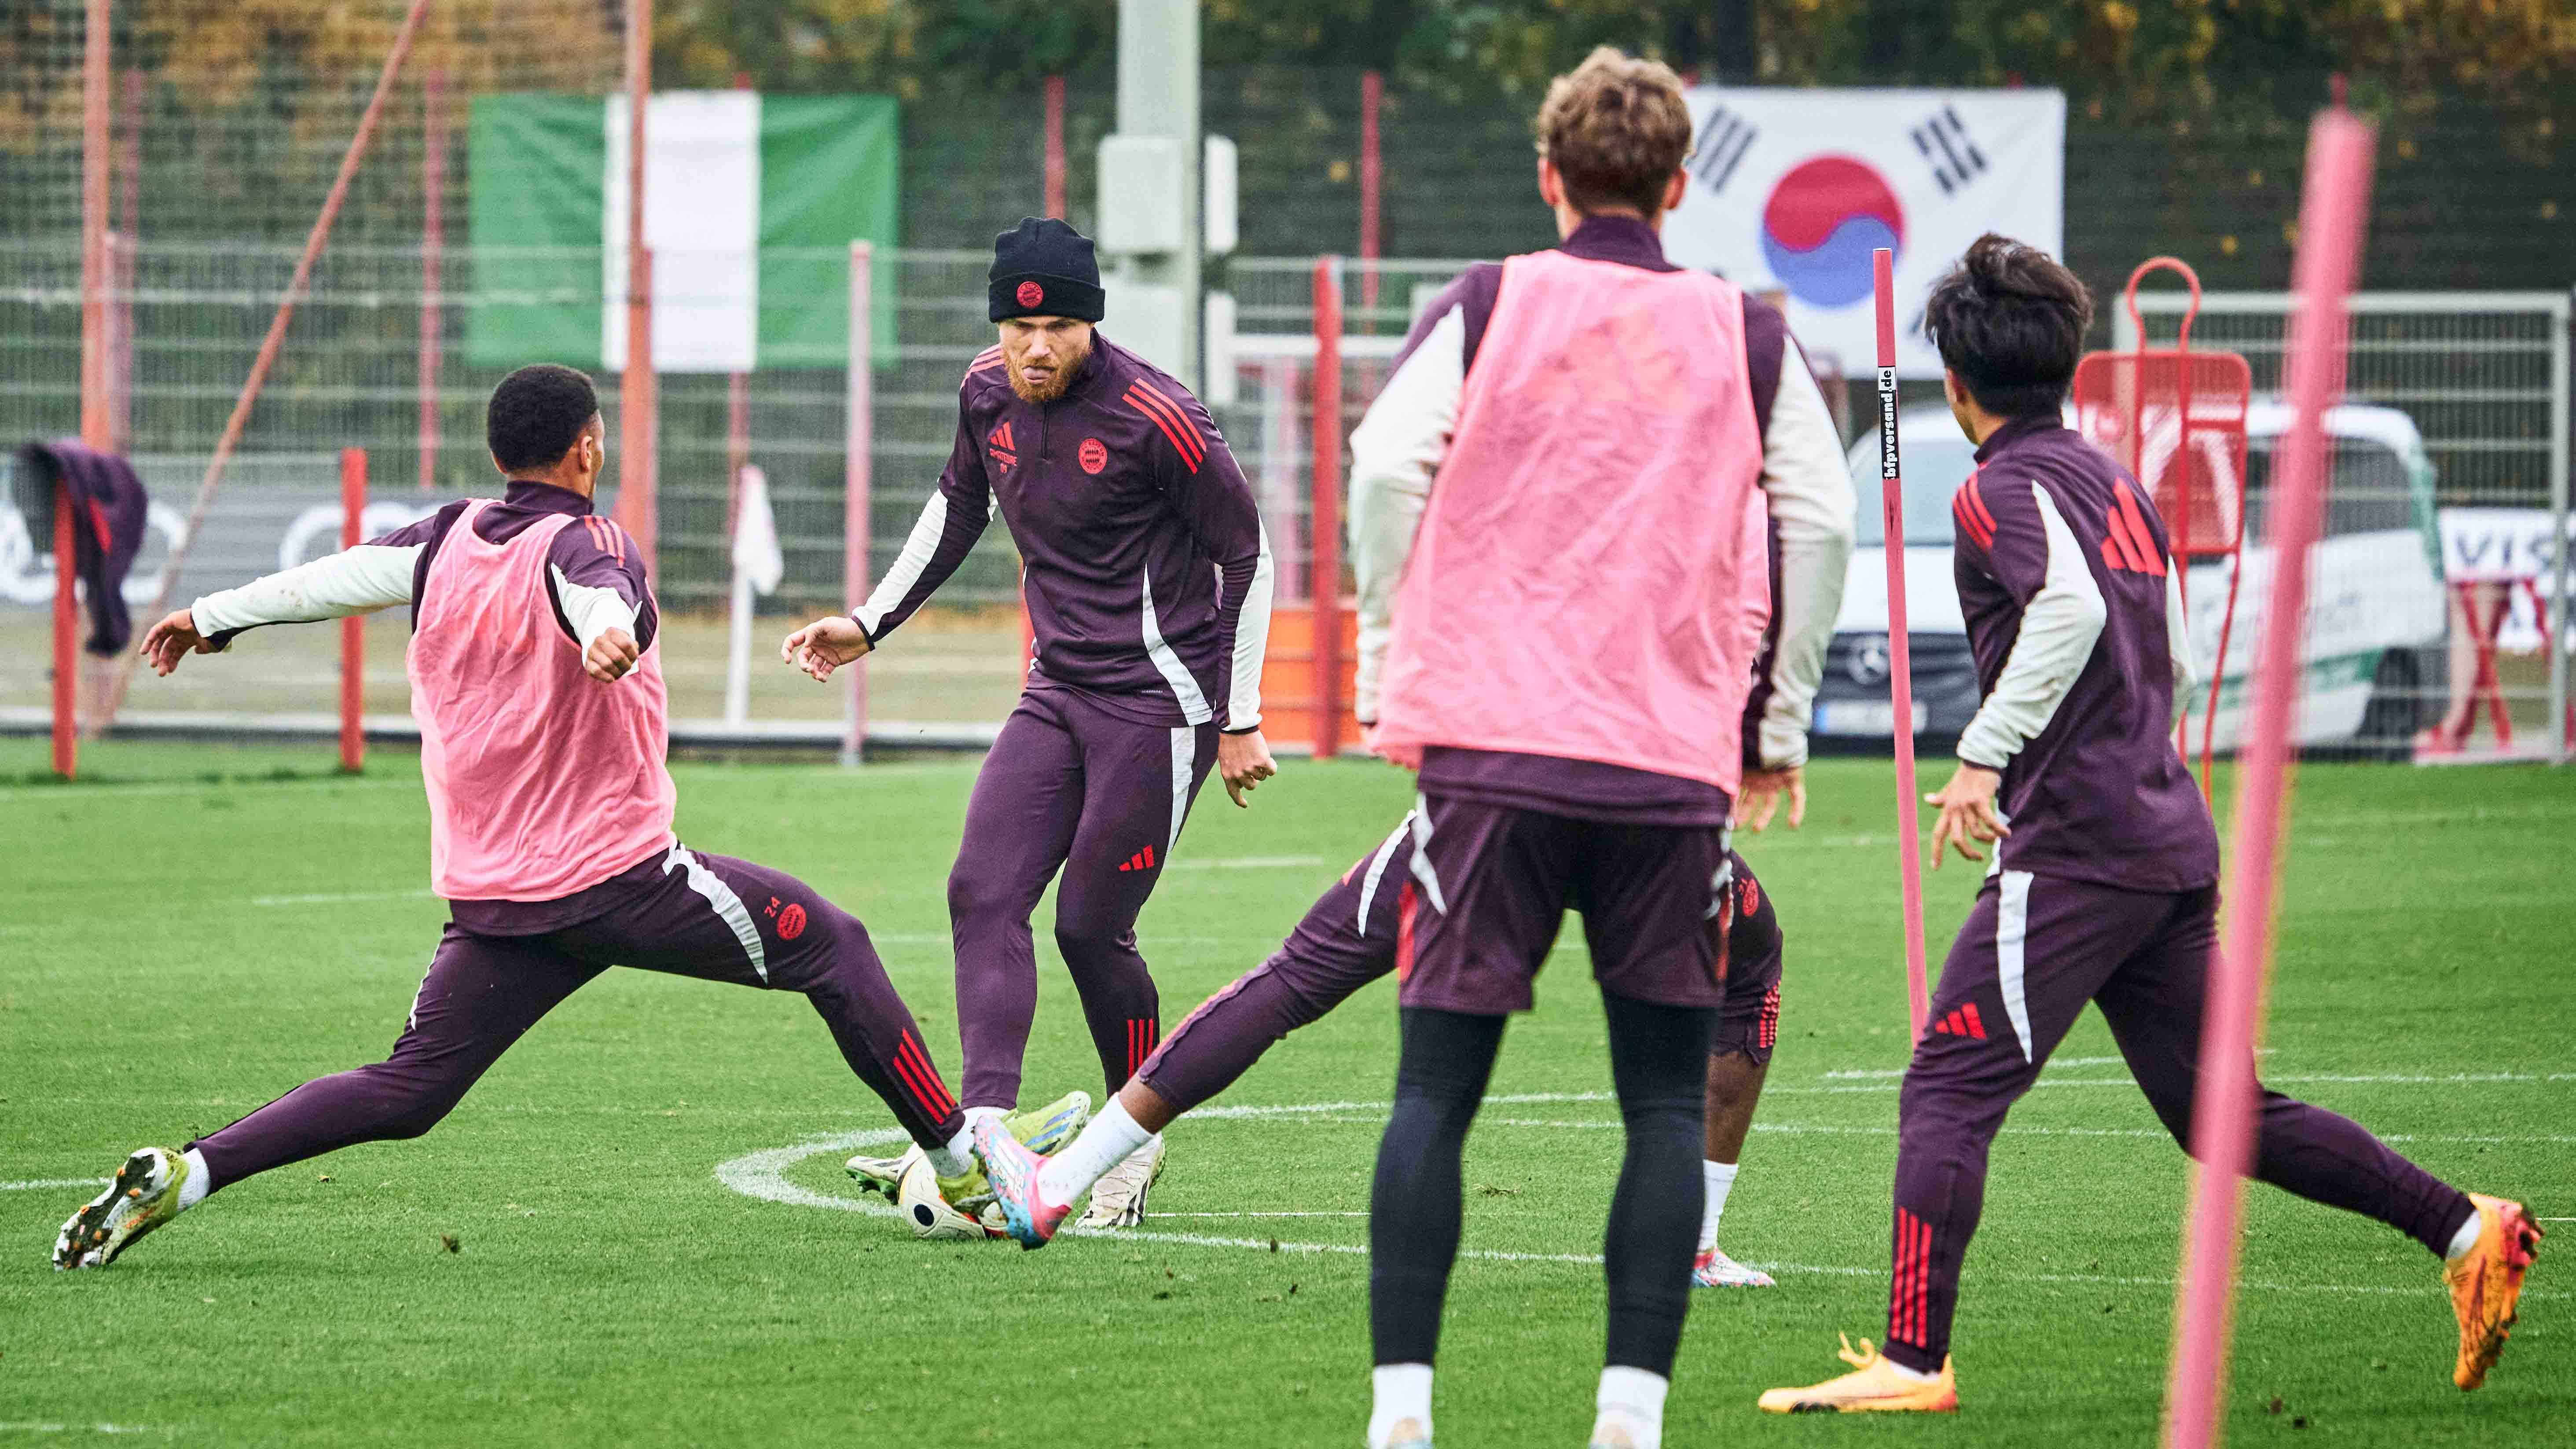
(728, 905)
(2012, 932)
(1422, 868)
(1185, 759)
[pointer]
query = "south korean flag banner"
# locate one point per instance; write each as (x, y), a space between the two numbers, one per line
(1791, 190)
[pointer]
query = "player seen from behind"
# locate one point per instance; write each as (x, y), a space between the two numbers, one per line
(1347, 940)
(537, 684)
(1569, 665)
(1147, 577)
(2104, 884)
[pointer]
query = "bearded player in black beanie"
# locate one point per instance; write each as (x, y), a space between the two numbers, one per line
(1147, 576)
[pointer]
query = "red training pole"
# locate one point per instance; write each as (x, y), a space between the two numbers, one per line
(353, 629)
(2334, 201)
(1324, 511)
(1055, 145)
(858, 434)
(1372, 178)
(433, 262)
(66, 624)
(97, 412)
(1900, 654)
(639, 403)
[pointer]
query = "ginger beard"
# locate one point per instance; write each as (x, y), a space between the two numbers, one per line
(1041, 359)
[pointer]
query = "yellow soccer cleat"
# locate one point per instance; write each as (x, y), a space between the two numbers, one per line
(2486, 1283)
(1873, 1386)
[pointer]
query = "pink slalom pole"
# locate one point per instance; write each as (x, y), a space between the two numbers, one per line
(2332, 208)
(1900, 654)
(857, 436)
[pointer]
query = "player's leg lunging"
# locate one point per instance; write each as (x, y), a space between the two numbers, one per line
(2154, 1006)
(481, 994)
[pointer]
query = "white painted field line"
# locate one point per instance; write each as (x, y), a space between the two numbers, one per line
(50, 1182)
(32, 1427)
(336, 898)
(763, 1175)
(1347, 1214)
(1250, 862)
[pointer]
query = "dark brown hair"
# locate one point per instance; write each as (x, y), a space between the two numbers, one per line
(1616, 128)
(2010, 321)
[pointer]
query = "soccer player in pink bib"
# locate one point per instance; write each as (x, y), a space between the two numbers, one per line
(1585, 459)
(536, 679)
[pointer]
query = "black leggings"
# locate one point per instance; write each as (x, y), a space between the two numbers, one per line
(1659, 1066)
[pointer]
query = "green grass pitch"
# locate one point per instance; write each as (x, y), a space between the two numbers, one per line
(628, 1233)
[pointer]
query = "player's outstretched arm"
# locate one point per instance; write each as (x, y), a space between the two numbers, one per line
(825, 645)
(172, 640)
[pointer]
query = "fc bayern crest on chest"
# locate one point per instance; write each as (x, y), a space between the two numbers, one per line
(1093, 455)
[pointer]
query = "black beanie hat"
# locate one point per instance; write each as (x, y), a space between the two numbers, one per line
(1044, 268)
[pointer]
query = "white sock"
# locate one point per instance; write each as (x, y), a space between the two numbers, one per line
(200, 1181)
(1632, 1399)
(1719, 1179)
(1403, 1391)
(974, 1113)
(956, 1157)
(2466, 1238)
(1915, 1375)
(1105, 1142)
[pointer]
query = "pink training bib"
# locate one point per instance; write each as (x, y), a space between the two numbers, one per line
(1590, 579)
(542, 780)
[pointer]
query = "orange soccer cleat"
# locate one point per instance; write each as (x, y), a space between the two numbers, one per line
(1873, 1386)
(2486, 1283)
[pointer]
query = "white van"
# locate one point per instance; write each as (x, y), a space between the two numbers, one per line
(2376, 609)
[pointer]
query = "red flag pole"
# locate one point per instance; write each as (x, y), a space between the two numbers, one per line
(1324, 522)
(353, 629)
(1900, 654)
(2333, 204)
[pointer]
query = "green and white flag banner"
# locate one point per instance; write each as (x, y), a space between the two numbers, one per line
(750, 204)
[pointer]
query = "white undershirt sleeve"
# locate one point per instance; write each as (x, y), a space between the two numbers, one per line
(590, 610)
(2058, 630)
(1397, 447)
(1251, 644)
(1809, 491)
(2186, 682)
(356, 580)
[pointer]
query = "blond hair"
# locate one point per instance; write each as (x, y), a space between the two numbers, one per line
(1616, 128)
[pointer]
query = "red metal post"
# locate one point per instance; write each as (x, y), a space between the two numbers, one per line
(121, 264)
(95, 411)
(858, 432)
(1324, 512)
(433, 261)
(353, 629)
(1055, 145)
(2334, 202)
(1372, 91)
(639, 405)
(1900, 653)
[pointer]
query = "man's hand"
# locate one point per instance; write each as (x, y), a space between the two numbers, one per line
(1967, 812)
(825, 645)
(1244, 762)
(1760, 798)
(173, 639)
(611, 656)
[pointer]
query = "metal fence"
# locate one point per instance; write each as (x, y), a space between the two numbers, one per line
(2484, 379)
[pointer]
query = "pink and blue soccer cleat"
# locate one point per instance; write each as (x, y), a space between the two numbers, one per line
(1012, 1169)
